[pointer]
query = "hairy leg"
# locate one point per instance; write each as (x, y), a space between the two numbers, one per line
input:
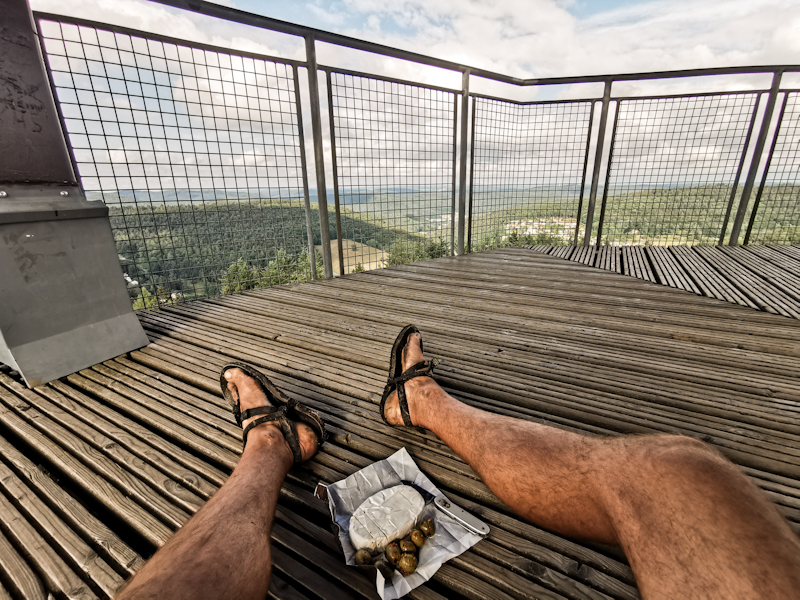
(223, 551)
(691, 524)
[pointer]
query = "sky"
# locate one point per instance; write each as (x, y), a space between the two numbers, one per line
(524, 38)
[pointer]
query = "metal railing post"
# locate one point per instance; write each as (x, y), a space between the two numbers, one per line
(766, 170)
(754, 163)
(598, 159)
(739, 168)
(462, 179)
(335, 175)
(312, 255)
(319, 155)
(583, 176)
(455, 160)
(604, 202)
(471, 176)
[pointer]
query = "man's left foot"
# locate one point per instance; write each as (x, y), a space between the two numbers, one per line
(417, 389)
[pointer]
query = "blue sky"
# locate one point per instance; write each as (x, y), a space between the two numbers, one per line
(526, 38)
(523, 38)
(298, 12)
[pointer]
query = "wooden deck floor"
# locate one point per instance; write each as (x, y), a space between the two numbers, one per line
(100, 468)
(762, 277)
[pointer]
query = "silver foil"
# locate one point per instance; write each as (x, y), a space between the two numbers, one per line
(450, 539)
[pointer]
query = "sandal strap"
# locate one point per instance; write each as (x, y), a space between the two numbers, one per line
(421, 369)
(288, 428)
(258, 410)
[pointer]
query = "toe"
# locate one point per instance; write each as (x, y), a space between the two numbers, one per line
(412, 352)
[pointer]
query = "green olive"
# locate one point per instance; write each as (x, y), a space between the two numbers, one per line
(393, 553)
(427, 528)
(363, 557)
(406, 545)
(384, 568)
(417, 537)
(407, 564)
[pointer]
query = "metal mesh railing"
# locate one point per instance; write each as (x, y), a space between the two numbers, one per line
(198, 152)
(394, 170)
(776, 219)
(674, 167)
(195, 151)
(528, 172)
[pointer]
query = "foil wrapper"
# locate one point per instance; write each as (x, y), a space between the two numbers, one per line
(451, 538)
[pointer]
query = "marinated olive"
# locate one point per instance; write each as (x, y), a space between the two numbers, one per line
(384, 568)
(406, 545)
(427, 528)
(417, 537)
(407, 564)
(363, 557)
(393, 553)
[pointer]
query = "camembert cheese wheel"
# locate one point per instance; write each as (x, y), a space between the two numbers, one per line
(388, 515)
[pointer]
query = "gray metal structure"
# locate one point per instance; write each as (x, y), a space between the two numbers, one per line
(63, 303)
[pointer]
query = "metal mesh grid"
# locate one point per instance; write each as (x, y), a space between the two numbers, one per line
(674, 162)
(777, 218)
(394, 170)
(196, 153)
(528, 173)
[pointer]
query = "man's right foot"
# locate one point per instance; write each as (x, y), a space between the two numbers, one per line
(418, 389)
(251, 395)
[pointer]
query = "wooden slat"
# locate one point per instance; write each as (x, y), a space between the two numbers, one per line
(755, 288)
(56, 575)
(18, 575)
(102, 540)
(82, 557)
(127, 474)
(107, 494)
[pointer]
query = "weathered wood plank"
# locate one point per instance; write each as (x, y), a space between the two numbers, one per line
(107, 494)
(21, 579)
(58, 533)
(104, 541)
(56, 575)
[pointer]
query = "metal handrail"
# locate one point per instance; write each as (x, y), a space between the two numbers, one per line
(246, 18)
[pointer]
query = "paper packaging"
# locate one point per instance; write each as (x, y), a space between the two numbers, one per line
(451, 539)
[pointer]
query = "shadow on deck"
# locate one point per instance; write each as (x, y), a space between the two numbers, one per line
(113, 459)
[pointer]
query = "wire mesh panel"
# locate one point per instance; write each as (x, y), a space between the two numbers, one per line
(528, 172)
(674, 162)
(777, 217)
(195, 151)
(394, 170)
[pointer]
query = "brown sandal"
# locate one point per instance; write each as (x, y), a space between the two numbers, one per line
(395, 382)
(286, 411)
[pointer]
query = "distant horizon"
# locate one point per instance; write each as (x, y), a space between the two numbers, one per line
(266, 194)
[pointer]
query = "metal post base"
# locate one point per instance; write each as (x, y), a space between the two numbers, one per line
(63, 301)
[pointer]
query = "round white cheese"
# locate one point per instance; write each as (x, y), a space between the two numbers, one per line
(388, 515)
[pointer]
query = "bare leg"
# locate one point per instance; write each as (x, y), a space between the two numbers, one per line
(691, 524)
(223, 551)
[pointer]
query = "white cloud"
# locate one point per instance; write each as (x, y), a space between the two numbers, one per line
(156, 18)
(524, 38)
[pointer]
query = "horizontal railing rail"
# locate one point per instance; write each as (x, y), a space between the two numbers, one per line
(199, 151)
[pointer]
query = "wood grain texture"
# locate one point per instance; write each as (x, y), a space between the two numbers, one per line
(58, 534)
(56, 575)
(102, 539)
